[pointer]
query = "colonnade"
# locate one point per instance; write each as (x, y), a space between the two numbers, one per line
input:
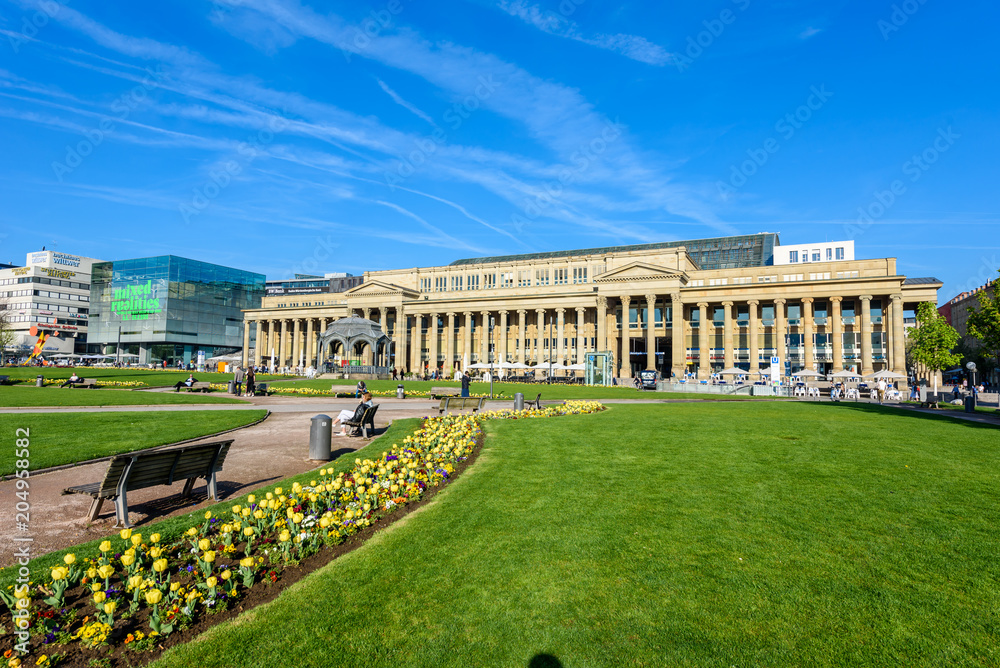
(428, 336)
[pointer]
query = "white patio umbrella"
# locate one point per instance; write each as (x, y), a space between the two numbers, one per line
(765, 372)
(844, 373)
(478, 365)
(577, 367)
(519, 365)
(885, 373)
(733, 371)
(807, 373)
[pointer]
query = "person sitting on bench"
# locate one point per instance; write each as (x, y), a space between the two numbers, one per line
(353, 416)
(73, 380)
(191, 380)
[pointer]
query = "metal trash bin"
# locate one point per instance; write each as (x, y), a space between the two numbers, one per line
(400, 392)
(519, 401)
(320, 435)
(39, 381)
(970, 404)
(232, 387)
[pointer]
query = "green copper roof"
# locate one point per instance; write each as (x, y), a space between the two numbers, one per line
(751, 250)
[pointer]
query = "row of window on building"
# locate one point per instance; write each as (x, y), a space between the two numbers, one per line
(816, 255)
(521, 278)
(773, 278)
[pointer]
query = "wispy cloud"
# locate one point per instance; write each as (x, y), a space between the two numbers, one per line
(404, 104)
(631, 46)
(809, 32)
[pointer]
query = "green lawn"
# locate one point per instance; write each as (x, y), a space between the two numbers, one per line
(58, 438)
(763, 534)
(152, 377)
(173, 527)
(15, 395)
(507, 390)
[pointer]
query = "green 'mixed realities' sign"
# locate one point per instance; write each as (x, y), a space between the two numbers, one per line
(135, 302)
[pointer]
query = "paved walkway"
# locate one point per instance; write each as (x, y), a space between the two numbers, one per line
(276, 448)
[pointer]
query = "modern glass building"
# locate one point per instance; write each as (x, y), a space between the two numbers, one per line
(170, 308)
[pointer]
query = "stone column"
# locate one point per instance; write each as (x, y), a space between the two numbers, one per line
(753, 343)
(383, 322)
(467, 340)
(602, 324)
(432, 332)
(898, 342)
(678, 336)
(246, 343)
(581, 344)
(449, 346)
(310, 343)
(704, 342)
(539, 348)
(727, 335)
(283, 344)
(651, 331)
(626, 339)
(809, 358)
(296, 341)
(560, 331)
(416, 345)
(866, 335)
(521, 334)
(484, 338)
(502, 338)
(836, 330)
(258, 352)
(399, 334)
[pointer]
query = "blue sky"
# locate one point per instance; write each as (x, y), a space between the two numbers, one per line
(283, 137)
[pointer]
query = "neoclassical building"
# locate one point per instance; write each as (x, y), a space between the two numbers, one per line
(681, 307)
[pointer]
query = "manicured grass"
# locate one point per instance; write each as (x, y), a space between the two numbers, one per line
(173, 527)
(151, 377)
(63, 396)
(507, 390)
(670, 535)
(58, 438)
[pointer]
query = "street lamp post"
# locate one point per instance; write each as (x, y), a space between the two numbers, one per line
(118, 352)
(549, 379)
(490, 350)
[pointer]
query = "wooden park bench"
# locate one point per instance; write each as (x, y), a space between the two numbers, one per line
(261, 389)
(150, 469)
(199, 386)
(461, 404)
(536, 404)
(86, 382)
(932, 400)
(360, 426)
(440, 392)
(5, 380)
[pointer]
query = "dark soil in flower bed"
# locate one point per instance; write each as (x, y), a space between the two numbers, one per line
(119, 655)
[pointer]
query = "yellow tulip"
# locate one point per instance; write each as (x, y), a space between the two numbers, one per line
(105, 546)
(174, 586)
(125, 533)
(209, 556)
(160, 565)
(259, 514)
(236, 510)
(106, 571)
(204, 544)
(135, 581)
(59, 573)
(156, 552)
(136, 538)
(226, 574)
(208, 514)
(109, 607)
(91, 572)
(155, 538)
(248, 532)
(69, 559)
(99, 597)
(277, 491)
(128, 559)
(251, 498)
(284, 536)
(154, 596)
(247, 562)
(211, 581)
(193, 531)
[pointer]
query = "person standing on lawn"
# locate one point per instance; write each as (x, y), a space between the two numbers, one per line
(238, 381)
(465, 384)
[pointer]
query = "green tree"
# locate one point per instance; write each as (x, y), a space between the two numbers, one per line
(984, 323)
(933, 340)
(6, 329)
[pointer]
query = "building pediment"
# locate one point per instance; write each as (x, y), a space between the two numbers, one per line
(380, 289)
(640, 271)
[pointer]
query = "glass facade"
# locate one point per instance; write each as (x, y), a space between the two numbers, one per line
(170, 307)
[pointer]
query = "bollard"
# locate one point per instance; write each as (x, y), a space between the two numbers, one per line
(320, 434)
(519, 401)
(39, 381)
(400, 393)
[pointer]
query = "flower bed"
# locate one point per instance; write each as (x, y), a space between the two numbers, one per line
(139, 594)
(348, 394)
